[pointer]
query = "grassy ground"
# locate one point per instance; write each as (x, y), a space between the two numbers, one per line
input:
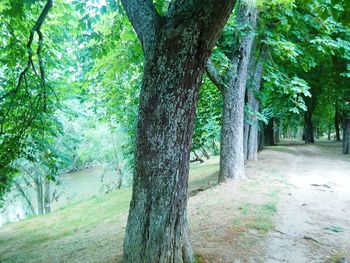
(83, 231)
(227, 222)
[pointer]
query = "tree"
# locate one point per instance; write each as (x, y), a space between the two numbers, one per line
(176, 48)
(20, 109)
(233, 87)
(32, 49)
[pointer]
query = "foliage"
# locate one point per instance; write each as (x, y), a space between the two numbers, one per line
(208, 118)
(66, 96)
(28, 95)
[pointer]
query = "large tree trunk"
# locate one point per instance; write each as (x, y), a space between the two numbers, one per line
(176, 49)
(232, 153)
(251, 130)
(346, 135)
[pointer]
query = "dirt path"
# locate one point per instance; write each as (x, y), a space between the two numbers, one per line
(293, 207)
(314, 213)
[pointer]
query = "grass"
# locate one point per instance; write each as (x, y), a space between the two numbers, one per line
(258, 217)
(335, 258)
(31, 235)
(92, 230)
(257, 212)
(79, 229)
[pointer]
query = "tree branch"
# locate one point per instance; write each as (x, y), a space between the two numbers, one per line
(35, 29)
(214, 75)
(143, 16)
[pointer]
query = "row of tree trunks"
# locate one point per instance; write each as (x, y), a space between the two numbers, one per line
(346, 135)
(251, 132)
(251, 126)
(176, 47)
(43, 195)
(232, 152)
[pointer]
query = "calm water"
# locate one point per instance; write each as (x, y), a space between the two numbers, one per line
(72, 188)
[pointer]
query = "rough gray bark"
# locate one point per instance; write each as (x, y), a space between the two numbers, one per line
(251, 127)
(233, 88)
(232, 156)
(176, 49)
(346, 135)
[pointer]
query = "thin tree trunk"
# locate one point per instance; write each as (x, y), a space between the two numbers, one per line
(309, 128)
(47, 198)
(318, 133)
(205, 153)
(24, 195)
(261, 138)
(197, 158)
(176, 49)
(337, 121)
(39, 195)
(117, 164)
(269, 133)
(215, 148)
(346, 135)
(245, 138)
(277, 134)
